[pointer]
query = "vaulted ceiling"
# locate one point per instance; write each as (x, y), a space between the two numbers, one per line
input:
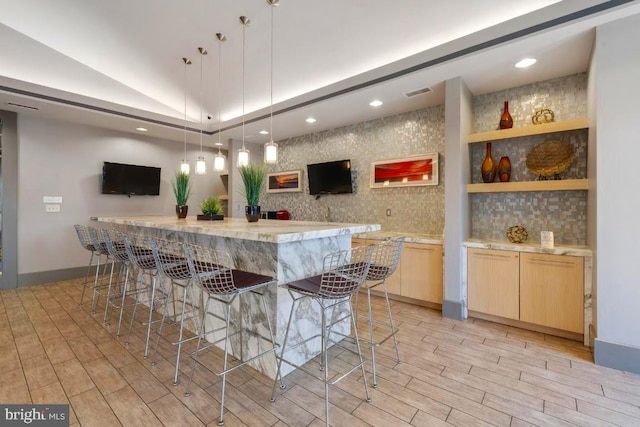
(118, 63)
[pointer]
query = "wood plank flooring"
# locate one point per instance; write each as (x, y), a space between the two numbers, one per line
(459, 373)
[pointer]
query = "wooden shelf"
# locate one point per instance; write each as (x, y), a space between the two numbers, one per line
(504, 187)
(224, 197)
(541, 129)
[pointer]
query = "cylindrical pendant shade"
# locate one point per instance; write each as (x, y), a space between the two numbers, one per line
(219, 162)
(184, 167)
(271, 153)
(201, 166)
(243, 157)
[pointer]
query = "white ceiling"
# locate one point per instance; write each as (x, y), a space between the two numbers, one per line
(117, 63)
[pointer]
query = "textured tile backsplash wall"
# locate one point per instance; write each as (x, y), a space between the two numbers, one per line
(563, 212)
(413, 209)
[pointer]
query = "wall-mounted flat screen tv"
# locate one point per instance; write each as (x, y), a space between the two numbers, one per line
(119, 178)
(330, 178)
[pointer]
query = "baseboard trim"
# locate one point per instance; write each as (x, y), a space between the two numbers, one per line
(41, 277)
(453, 309)
(617, 356)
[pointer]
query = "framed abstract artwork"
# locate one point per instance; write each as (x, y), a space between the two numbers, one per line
(405, 172)
(284, 182)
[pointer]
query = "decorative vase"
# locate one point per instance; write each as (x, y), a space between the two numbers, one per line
(506, 122)
(181, 211)
(488, 168)
(252, 213)
(504, 169)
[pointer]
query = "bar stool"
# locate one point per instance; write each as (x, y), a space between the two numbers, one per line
(384, 263)
(343, 274)
(118, 253)
(223, 284)
(85, 240)
(101, 247)
(141, 256)
(170, 259)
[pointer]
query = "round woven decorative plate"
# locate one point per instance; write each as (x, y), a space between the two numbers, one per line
(550, 157)
(517, 234)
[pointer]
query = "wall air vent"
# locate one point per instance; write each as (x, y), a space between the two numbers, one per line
(418, 92)
(26, 107)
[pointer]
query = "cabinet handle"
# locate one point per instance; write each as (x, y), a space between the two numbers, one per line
(552, 261)
(495, 256)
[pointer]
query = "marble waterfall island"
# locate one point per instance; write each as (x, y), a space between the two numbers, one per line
(286, 250)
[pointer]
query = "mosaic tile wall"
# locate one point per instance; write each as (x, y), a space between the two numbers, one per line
(563, 212)
(413, 209)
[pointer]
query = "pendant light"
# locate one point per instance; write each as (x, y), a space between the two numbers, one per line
(271, 148)
(184, 166)
(219, 161)
(201, 165)
(243, 153)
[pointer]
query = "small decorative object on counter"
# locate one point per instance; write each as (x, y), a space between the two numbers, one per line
(489, 167)
(211, 209)
(543, 116)
(253, 177)
(506, 122)
(182, 190)
(517, 234)
(550, 158)
(546, 239)
(504, 169)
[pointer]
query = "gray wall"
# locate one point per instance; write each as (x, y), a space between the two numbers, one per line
(617, 66)
(65, 159)
(10, 200)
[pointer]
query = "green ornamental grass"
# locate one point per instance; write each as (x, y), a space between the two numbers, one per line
(181, 188)
(253, 177)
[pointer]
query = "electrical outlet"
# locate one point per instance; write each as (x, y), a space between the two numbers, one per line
(52, 208)
(388, 211)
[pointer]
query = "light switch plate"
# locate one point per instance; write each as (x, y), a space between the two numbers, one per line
(51, 199)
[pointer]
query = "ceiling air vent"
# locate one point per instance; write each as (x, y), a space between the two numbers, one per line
(27, 107)
(418, 92)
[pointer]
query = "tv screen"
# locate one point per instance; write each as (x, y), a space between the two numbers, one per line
(119, 178)
(330, 177)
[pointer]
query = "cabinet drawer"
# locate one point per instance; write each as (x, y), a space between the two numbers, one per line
(551, 291)
(493, 282)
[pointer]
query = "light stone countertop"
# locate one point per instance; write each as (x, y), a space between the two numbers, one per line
(581, 251)
(265, 230)
(409, 237)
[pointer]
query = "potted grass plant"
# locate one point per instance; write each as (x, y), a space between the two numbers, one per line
(253, 178)
(211, 209)
(181, 190)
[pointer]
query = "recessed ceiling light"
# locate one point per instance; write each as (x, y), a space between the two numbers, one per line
(218, 144)
(526, 62)
(310, 120)
(264, 132)
(375, 103)
(142, 129)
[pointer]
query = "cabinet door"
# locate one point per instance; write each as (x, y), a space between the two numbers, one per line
(421, 274)
(551, 291)
(392, 282)
(493, 282)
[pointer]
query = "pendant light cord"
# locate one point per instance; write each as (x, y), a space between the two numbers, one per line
(271, 78)
(221, 38)
(186, 62)
(244, 27)
(202, 53)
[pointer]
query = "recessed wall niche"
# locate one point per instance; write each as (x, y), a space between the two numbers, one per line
(563, 212)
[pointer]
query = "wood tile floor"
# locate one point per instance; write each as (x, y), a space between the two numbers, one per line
(462, 373)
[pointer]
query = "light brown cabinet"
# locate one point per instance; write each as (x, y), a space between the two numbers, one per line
(419, 273)
(493, 282)
(551, 291)
(540, 289)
